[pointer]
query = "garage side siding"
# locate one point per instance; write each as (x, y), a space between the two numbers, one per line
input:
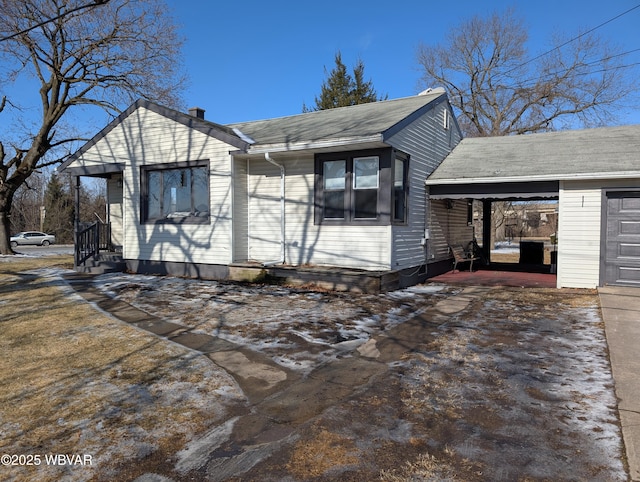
(579, 234)
(449, 226)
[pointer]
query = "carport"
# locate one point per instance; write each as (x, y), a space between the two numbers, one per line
(490, 192)
(593, 173)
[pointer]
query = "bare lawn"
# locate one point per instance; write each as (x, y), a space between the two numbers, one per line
(75, 381)
(499, 383)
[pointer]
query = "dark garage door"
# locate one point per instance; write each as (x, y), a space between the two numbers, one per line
(622, 260)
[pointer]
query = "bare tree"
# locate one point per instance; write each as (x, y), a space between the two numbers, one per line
(498, 88)
(26, 213)
(83, 54)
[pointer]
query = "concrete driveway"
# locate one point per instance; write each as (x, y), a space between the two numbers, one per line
(621, 314)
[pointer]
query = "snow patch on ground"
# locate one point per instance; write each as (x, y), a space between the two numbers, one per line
(536, 378)
(299, 329)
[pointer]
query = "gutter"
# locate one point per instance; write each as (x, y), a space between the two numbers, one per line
(595, 176)
(282, 213)
(314, 145)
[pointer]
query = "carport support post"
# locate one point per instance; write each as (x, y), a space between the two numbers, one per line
(486, 228)
(76, 221)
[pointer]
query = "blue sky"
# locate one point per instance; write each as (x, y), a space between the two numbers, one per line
(254, 59)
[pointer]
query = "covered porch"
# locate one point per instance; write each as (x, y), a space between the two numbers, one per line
(98, 242)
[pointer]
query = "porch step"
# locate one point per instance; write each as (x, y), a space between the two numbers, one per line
(106, 263)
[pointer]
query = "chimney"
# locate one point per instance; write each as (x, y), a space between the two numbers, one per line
(197, 112)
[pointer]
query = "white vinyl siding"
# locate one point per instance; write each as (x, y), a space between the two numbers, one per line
(240, 214)
(265, 213)
(147, 138)
(579, 231)
(365, 247)
(245, 197)
(114, 202)
(428, 143)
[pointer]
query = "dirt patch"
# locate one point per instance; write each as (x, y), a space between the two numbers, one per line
(300, 329)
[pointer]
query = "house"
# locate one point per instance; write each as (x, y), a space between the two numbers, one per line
(594, 174)
(334, 197)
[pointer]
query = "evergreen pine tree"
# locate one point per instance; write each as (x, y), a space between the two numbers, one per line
(362, 92)
(340, 89)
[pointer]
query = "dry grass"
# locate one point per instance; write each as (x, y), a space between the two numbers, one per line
(75, 381)
(425, 467)
(312, 458)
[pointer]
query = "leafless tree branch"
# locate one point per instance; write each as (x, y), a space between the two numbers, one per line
(106, 56)
(498, 88)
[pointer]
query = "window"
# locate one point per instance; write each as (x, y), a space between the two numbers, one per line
(446, 120)
(358, 187)
(177, 193)
(350, 188)
(334, 183)
(400, 189)
(365, 187)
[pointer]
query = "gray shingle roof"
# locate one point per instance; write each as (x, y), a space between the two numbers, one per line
(589, 153)
(352, 123)
(357, 121)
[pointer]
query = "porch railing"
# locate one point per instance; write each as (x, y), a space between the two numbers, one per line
(91, 240)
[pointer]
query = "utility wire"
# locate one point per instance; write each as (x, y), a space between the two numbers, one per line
(572, 40)
(81, 7)
(531, 81)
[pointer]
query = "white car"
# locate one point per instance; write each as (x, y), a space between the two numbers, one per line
(32, 237)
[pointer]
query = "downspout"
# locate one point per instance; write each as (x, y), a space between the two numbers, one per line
(282, 213)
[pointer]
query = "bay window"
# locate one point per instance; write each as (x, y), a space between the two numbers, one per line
(361, 187)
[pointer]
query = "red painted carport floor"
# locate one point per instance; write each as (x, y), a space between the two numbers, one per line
(497, 278)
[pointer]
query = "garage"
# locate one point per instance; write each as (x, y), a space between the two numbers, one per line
(622, 248)
(593, 173)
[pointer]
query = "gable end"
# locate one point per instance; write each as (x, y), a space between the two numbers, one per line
(210, 129)
(394, 129)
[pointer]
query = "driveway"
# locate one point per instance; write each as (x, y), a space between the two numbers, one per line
(621, 313)
(434, 381)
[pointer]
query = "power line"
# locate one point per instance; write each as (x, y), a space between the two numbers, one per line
(81, 7)
(572, 40)
(532, 81)
(587, 64)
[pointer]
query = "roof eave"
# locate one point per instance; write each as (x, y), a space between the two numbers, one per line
(315, 145)
(547, 177)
